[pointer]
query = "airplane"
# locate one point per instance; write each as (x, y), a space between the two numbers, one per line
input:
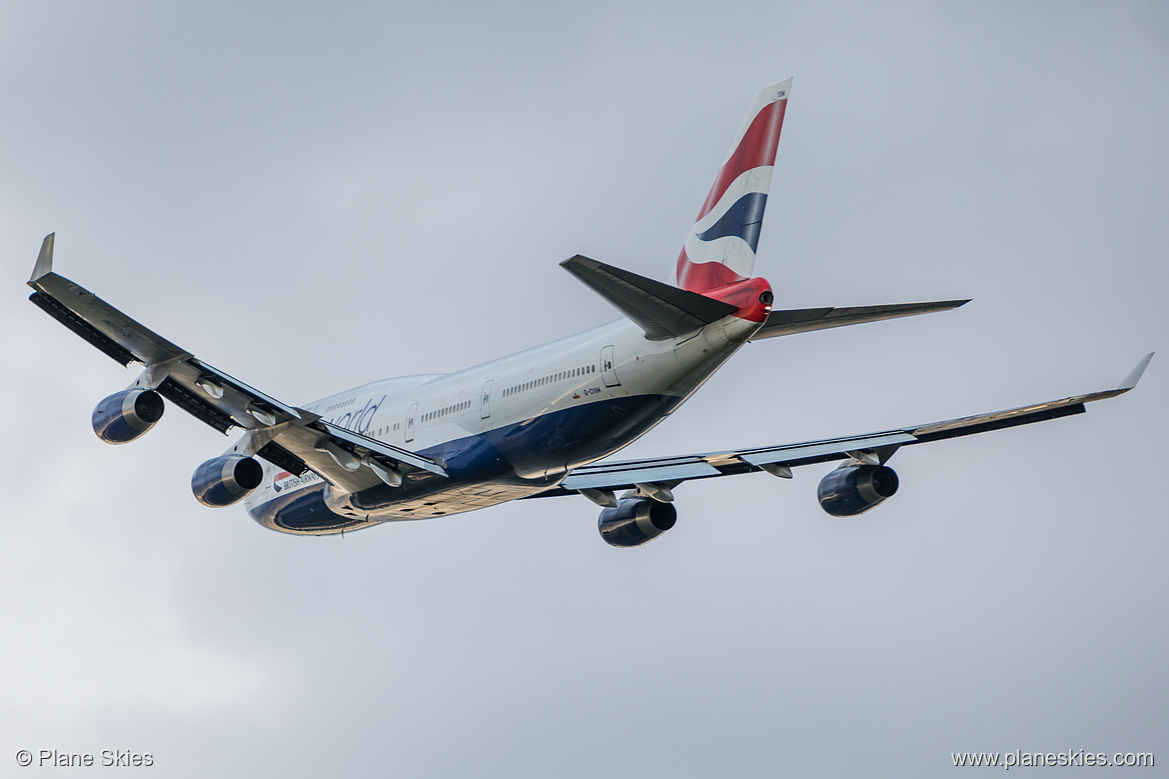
(538, 423)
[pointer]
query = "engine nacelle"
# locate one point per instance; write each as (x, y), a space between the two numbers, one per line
(226, 480)
(126, 415)
(635, 521)
(854, 489)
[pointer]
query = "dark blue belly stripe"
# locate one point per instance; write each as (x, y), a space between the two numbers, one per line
(551, 442)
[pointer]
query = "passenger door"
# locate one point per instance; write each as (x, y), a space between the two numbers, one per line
(413, 412)
(485, 400)
(609, 368)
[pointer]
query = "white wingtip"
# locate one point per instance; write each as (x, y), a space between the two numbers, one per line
(44, 264)
(1134, 375)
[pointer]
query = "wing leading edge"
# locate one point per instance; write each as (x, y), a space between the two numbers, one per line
(288, 437)
(599, 480)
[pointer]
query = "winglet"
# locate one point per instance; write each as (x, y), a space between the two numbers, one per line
(1134, 375)
(44, 264)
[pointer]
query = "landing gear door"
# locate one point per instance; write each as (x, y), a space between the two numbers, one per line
(485, 400)
(609, 368)
(413, 412)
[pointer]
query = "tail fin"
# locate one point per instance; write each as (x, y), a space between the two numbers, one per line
(720, 249)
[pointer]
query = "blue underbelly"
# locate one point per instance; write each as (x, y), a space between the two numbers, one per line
(509, 462)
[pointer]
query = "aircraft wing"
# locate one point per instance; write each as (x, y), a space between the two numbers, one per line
(288, 437)
(599, 480)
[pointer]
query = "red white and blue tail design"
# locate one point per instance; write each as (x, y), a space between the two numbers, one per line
(720, 249)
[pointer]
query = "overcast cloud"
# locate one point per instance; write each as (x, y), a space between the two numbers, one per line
(311, 197)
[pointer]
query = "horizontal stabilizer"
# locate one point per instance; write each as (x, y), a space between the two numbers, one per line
(661, 310)
(804, 320)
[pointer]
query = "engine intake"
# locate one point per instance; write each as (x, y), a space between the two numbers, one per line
(226, 480)
(854, 489)
(635, 521)
(126, 415)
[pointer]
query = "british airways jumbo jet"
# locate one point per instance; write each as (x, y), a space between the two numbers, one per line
(533, 424)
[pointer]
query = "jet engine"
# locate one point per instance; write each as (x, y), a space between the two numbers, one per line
(126, 415)
(635, 521)
(853, 489)
(226, 480)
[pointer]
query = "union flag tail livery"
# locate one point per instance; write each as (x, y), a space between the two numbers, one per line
(720, 249)
(538, 423)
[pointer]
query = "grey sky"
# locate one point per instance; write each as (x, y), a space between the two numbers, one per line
(311, 198)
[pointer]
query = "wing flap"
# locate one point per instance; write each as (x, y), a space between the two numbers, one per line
(143, 344)
(200, 409)
(640, 471)
(358, 442)
(822, 451)
(82, 328)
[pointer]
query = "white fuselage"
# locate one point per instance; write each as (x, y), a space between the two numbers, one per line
(504, 429)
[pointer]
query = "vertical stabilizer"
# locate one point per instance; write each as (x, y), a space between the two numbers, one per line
(720, 249)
